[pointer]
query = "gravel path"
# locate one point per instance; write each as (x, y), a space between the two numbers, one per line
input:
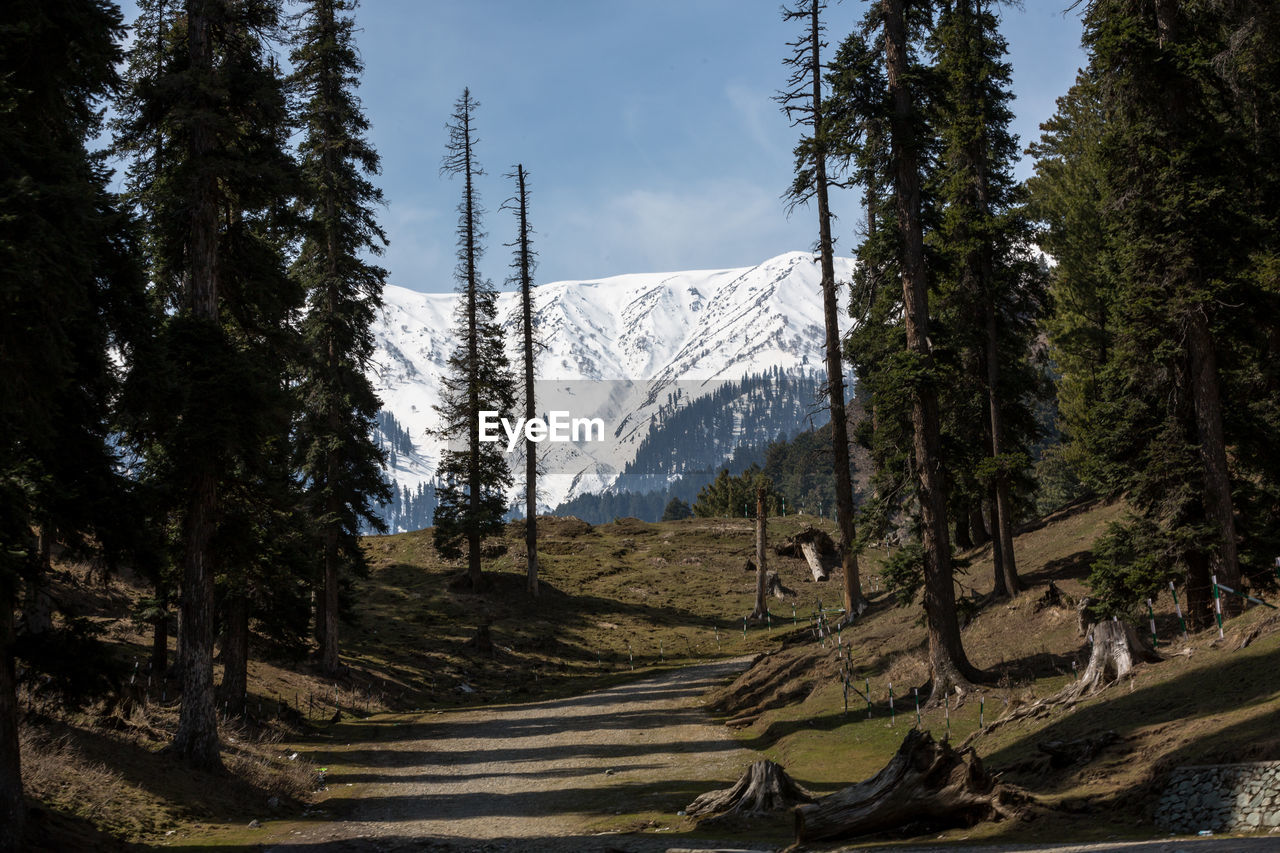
(534, 776)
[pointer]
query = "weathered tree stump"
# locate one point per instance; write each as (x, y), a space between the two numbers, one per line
(1052, 597)
(926, 782)
(816, 548)
(775, 586)
(482, 642)
(764, 789)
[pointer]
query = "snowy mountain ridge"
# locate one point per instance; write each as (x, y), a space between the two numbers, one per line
(625, 340)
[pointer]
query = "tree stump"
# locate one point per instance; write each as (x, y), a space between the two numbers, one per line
(764, 789)
(775, 586)
(1116, 645)
(926, 782)
(816, 548)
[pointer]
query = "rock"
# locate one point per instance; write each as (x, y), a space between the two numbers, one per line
(253, 824)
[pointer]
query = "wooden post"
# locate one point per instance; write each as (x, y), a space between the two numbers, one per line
(762, 608)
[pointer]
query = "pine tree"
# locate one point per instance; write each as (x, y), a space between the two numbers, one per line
(204, 122)
(523, 267)
(804, 103)
(71, 292)
(344, 291)
(948, 665)
(992, 292)
(474, 474)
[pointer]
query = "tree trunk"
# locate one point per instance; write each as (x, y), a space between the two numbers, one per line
(530, 407)
(1199, 591)
(12, 810)
(925, 782)
(197, 739)
(963, 540)
(978, 526)
(160, 645)
(949, 667)
(763, 790)
(37, 607)
(235, 655)
(1213, 455)
(999, 588)
(854, 601)
(762, 607)
(1001, 505)
(330, 662)
(474, 484)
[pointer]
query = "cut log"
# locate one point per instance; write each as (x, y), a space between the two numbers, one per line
(776, 588)
(764, 789)
(926, 783)
(816, 548)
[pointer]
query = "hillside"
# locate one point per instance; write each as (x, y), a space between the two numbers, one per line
(627, 599)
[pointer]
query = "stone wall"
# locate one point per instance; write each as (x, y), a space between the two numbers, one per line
(1222, 798)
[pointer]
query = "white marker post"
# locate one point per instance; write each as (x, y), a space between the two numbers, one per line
(1151, 613)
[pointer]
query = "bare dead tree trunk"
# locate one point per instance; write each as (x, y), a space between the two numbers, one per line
(949, 667)
(197, 739)
(530, 407)
(762, 607)
(12, 809)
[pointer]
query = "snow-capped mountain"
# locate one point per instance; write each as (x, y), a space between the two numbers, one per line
(618, 348)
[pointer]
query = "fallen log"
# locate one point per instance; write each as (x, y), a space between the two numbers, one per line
(926, 782)
(816, 548)
(764, 789)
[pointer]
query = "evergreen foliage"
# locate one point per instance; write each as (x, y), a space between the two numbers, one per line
(71, 288)
(338, 456)
(473, 475)
(676, 510)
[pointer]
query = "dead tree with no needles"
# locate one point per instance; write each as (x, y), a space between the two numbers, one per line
(762, 607)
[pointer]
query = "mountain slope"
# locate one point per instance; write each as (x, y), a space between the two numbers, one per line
(618, 348)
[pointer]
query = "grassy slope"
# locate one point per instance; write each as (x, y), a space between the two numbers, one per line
(629, 594)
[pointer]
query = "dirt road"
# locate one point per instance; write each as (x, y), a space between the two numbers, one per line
(538, 776)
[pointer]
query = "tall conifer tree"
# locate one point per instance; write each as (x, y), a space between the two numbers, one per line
(805, 104)
(474, 474)
(949, 667)
(70, 291)
(204, 122)
(344, 291)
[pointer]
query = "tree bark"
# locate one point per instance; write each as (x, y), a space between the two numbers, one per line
(925, 782)
(12, 809)
(235, 654)
(37, 607)
(1213, 456)
(530, 407)
(160, 643)
(474, 485)
(763, 790)
(762, 606)
(999, 588)
(330, 661)
(1001, 505)
(854, 601)
(197, 739)
(949, 667)
(978, 526)
(963, 540)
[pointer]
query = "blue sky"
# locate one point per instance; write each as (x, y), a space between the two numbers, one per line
(647, 126)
